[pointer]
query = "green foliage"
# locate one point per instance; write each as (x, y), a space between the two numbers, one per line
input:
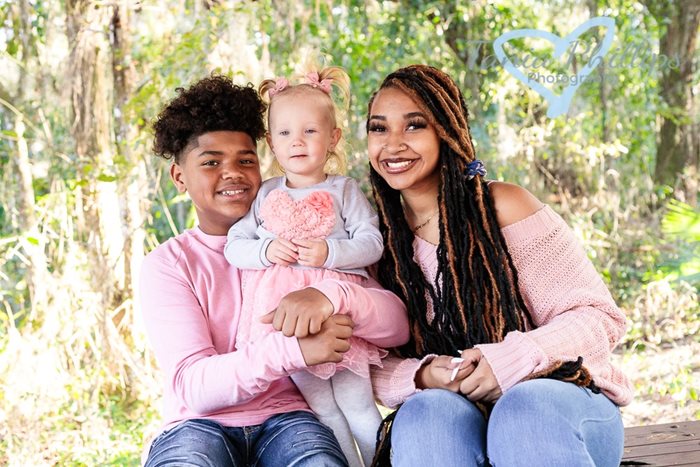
(682, 224)
(594, 166)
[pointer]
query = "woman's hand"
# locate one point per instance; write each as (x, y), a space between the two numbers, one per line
(312, 253)
(300, 313)
(330, 343)
(281, 251)
(443, 372)
(481, 384)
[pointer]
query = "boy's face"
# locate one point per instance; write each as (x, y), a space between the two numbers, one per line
(220, 171)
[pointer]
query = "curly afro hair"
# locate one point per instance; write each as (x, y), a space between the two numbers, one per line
(211, 104)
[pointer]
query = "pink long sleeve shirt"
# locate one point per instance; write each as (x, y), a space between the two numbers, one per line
(191, 301)
(572, 310)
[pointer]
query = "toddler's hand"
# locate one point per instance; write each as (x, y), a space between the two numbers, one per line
(300, 313)
(312, 253)
(281, 251)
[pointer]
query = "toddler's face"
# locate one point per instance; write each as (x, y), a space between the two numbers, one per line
(302, 133)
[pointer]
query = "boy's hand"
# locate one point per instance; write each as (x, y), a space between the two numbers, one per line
(328, 345)
(281, 251)
(312, 253)
(444, 372)
(300, 313)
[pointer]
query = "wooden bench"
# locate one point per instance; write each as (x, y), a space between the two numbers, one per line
(660, 445)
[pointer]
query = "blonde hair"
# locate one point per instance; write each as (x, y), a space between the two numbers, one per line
(338, 101)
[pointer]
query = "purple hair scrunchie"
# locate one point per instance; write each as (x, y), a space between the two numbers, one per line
(474, 168)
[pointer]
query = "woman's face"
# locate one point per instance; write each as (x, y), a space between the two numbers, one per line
(403, 147)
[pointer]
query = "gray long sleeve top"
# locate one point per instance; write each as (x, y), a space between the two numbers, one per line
(354, 243)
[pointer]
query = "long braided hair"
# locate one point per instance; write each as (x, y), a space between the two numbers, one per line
(476, 299)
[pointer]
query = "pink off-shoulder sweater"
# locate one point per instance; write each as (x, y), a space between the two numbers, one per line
(572, 310)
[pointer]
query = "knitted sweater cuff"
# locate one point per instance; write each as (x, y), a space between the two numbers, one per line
(514, 359)
(395, 383)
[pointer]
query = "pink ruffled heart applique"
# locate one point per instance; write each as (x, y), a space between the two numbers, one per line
(310, 217)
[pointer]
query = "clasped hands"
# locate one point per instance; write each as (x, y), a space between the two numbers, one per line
(311, 253)
(469, 374)
(308, 315)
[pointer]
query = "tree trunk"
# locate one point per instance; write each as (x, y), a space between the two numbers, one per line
(33, 241)
(457, 34)
(91, 68)
(678, 145)
(605, 133)
(134, 182)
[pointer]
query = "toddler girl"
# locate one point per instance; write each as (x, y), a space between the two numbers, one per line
(308, 225)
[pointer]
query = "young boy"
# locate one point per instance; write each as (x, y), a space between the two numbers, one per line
(225, 405)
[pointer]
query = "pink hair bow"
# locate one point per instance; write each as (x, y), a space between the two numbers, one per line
(324, 84)
(281, 84)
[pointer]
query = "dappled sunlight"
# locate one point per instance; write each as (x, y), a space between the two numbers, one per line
(82, 198)
(76, 380)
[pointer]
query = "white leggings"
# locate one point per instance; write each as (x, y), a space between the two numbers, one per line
(345, 403)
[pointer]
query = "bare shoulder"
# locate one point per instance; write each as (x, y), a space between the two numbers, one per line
(513, 203)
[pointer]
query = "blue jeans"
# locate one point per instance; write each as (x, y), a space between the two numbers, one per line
(542, 422)
(290, 439)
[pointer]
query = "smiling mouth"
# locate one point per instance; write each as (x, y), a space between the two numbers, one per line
(232, 193)
(394, 166)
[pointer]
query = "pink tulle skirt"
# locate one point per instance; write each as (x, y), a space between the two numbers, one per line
(262, 292)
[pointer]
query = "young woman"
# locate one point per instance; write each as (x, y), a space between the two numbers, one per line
(511, 326)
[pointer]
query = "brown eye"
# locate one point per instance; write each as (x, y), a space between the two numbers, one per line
(416, 125)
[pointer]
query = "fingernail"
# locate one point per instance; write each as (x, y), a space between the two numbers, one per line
(454, 374)
(457, 360)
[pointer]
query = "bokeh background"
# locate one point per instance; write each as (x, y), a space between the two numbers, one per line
(82, 198)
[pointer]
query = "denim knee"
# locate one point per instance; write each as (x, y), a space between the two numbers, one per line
(526, 399)
(550, 422)
(193, 443)
(297, 439)
(438, 427)
(443, 407)
(321, 459)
